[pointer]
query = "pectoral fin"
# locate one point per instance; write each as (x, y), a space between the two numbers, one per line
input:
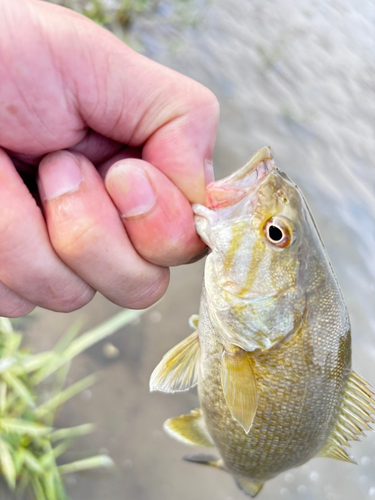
(178, 370)
(190, 429)
(251, 488)
(239, 386)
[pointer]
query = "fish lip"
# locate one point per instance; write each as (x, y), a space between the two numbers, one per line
(231, 189)
(261, 155)
(200, 211)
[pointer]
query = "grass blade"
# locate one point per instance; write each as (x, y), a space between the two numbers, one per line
(90, 338)
(32, 463)
(24, 427)
(27, 455)
(69, 335)
(38, 489)
(3, 397)
(18, 459)
(12, 344)
(64, 396)
(48, 460)
(86, 464)
(49, 485)
(71, 432)
(6, 363)
(34, 362)
(7, 465)
(19, 388)
(60, 378)
(6, 326)
(100, 332)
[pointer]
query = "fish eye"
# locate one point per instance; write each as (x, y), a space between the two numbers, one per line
(278, 232)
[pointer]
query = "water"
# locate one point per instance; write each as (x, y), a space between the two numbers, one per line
(299, 76)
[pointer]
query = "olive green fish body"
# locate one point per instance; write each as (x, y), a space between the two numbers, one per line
(271, 350)
(299, 401)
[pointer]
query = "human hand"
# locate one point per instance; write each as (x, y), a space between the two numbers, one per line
(66, 83)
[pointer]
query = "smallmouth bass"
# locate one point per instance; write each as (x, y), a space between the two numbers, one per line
(271, 350)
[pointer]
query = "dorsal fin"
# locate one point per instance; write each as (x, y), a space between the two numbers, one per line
(239, 386)
(190, 429)
(178, 370)
(338, 453)
(357, 408)
(251, 488)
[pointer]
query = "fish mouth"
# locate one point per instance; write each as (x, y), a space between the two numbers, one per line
(231, 189)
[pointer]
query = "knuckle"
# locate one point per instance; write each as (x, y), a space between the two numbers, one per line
(74, 241)
(13, 305)
(147, 292)
(212, 103)
(71, 301)
(16, 309)
(207, 103)
(12, 239)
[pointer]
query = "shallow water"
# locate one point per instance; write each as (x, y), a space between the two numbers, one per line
(298, 76)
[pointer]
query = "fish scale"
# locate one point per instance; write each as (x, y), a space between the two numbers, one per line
(271, 353)
(273, 445)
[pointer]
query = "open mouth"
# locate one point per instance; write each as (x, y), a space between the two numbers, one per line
(236, 186)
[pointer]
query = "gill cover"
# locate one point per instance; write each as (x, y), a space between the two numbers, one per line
(254, 295)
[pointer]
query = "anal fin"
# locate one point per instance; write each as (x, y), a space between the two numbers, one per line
(239, 386)
(356, 415)
(190, 429)
(251, 488)
(178, 370)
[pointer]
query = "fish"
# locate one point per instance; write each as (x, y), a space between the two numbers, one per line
(271, 347)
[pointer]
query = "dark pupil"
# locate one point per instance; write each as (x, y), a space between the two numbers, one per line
(275, 233)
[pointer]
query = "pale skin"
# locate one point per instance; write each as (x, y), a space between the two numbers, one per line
(120, 147)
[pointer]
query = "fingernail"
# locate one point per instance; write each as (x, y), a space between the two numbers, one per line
(130, 189)
(209, 172)
(60, 174)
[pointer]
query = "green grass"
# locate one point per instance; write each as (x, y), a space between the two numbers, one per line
(120, 12)
(118, 16)
(30, 446)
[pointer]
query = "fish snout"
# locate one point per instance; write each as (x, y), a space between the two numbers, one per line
(232, 189)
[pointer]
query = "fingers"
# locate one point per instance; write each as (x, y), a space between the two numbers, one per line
(87, 233)
(96, 147)
(173, 117)
(28, 264)
(157, 216)
(11, 304)
(183, 147)
(93, 80)
(127, 152)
